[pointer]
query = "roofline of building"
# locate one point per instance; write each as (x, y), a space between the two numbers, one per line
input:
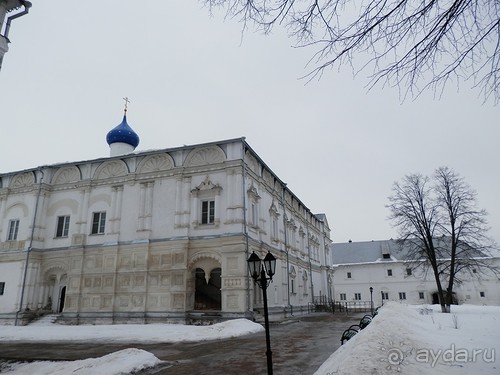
(174, 149)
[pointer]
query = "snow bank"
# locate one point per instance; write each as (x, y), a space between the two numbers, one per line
(121, 362)
(129, 333)
(418, 340)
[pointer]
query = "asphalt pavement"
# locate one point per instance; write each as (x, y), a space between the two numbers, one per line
(299, 346)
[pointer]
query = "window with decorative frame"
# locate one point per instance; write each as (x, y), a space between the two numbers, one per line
(274, 215)
(305, 279)
(98, 222)
(208, 212)
(254, 199)
(302, 240)
(292, 275)
(13, 230)
(62, 227)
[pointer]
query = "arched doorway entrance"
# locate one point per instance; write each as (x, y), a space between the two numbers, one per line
(54, 289)
(207, 295)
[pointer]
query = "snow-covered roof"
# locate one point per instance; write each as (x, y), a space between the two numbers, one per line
(394, 250)
(367, 252)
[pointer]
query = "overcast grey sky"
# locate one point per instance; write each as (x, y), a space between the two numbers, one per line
(192, 80)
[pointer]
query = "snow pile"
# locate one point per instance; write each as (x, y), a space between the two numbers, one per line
(417, 340)
(121, 362)
(129, 333)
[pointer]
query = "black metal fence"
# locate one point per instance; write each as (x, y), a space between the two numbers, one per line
(322, 303)
(352, 306)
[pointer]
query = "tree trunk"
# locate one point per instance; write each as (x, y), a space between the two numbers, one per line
(441, 296)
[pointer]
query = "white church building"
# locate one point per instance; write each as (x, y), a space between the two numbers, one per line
(154, 236)
(383, 266)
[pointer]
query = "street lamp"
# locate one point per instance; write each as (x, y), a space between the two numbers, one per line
(371, 300)
(258, 271)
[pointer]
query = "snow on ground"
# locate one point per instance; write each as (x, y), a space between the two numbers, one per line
(416, 340)
(411, 340)
(123, 361)
(129, 333)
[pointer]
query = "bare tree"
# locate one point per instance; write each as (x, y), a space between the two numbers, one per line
(442, 228)
(416, 217)
(466, 227)
(412, 44)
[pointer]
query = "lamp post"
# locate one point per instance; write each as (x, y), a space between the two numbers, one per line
(258, 271)
(371, 300)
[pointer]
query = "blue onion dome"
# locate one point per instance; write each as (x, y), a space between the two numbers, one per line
(123, 133)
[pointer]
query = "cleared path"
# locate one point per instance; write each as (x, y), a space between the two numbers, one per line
(299, 347)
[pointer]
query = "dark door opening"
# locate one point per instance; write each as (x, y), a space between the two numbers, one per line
(61, 299)
(207, 296)
(435, 299)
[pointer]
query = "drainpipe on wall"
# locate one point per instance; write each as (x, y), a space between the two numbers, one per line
(327, 267)
(286, 248)
(30, 245)
(245, 229)
(309, 256)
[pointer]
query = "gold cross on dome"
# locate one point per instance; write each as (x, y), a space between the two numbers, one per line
(126, 102)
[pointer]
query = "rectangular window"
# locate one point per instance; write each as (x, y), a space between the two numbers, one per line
(62, 226)
(482, 294)
(421, 295)
(292, 286)
(408, 272)
(389, 272)
(13, 229)
(386, 256)
(254, 214)
(402, 295)
(385, 295)
(343, 297)
(275, 228)
(2, 288)
(207, 212)
(349, 275)
(98, 222)
(357, 296)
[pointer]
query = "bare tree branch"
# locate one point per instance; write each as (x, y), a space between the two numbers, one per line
(413, 45)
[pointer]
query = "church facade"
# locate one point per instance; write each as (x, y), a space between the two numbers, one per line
(156, 236)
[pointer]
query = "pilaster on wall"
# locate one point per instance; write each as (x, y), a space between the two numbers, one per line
(145, 207)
